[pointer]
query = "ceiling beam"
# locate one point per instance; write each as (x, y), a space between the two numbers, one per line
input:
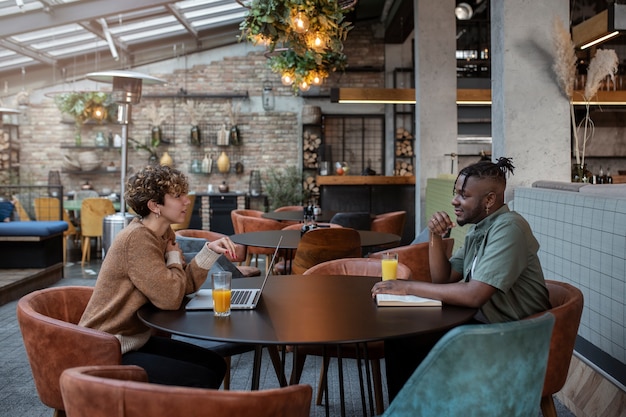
(26, 51)
(183, 21)
(63, 14)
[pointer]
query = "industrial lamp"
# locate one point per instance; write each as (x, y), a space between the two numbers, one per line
(597, 29)
(126, 92)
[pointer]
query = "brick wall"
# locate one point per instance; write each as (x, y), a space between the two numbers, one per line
(270, 139)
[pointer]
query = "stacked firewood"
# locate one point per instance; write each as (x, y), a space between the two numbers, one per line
(404, 168)
(309, 185)
(4, 155)
(310, 143)
(404, 142)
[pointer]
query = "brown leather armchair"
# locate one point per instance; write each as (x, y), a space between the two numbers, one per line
(376, 351)
(567, 307)
(251, 221)
(325, 244)
(392, 222)
(54, 342)
(240, 250)
(123, 391)
(415, 256)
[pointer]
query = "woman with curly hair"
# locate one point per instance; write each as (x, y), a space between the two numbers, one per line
(145, 265)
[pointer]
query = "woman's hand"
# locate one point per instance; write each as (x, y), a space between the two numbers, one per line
(392, 286)
(440, 223)
(223, 246)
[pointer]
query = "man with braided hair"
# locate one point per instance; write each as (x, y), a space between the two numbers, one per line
(497, 269)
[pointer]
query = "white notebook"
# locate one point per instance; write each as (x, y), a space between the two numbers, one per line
(392, 300)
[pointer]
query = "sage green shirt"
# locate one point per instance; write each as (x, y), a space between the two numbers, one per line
(501, 251)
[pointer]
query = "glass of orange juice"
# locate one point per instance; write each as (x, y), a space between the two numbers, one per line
(389, 264)
(221, 285)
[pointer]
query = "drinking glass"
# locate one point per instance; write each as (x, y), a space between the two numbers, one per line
(221, 284)
(389, 264)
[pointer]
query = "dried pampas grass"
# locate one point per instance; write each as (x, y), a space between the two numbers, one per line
(603, 64)
(564, 58)
(154, 114)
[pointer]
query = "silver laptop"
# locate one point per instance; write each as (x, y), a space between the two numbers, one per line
(240, 298)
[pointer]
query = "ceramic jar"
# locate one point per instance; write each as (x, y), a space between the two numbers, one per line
(166, 159)
(223, 163)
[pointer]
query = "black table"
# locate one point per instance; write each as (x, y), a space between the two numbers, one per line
(297, 215)
(291, 238)
(308, 309)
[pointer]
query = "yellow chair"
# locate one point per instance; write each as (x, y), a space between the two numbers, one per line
(185, 223)
(92, 213)
(22, 214)
(49, 208)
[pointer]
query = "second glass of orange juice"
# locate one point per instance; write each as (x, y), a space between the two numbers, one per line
(389, 265)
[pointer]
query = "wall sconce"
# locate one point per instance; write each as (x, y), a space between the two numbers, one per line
(597, 29)
(268, 95)
(126, 91)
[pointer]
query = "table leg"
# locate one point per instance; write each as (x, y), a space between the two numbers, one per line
(341, 390)
(256, 367)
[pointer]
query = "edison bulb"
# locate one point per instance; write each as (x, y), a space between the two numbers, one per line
(300, 23)
(286, 79)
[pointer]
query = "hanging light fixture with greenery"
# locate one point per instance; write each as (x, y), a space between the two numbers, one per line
(304, 38)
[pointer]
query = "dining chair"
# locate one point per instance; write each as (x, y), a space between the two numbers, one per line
(22, 214)
(392, 222)
(247, 224)
(415, 256)
(124, 391)
(325, 244)
(567, 306)
(290, 208)
(49, 208)
(375, 350)
(355, 220)
(240, 250)
(487, 370)
(54, 341)
(92, 213)
(188, 214)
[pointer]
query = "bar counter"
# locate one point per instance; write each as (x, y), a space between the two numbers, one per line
(374, 194)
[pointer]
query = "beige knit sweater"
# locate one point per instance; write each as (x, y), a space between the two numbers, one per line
(137, 271)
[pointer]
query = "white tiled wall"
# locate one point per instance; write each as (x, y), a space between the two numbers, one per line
(583, 242)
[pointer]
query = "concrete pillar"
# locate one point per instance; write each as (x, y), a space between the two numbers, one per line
(529, 115)
(436, 114)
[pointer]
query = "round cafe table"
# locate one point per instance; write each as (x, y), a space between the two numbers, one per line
(291, 238)
(297, 215)
(308, 309)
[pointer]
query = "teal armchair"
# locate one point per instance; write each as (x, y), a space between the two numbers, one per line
(480, 370)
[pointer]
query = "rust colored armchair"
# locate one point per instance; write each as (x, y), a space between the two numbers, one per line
(392, 222)
(240, 250)
(376, 351)
(123, 391)
(54, 342)
(415, 256)
(245, 221)
(567, 307)
(326, 244)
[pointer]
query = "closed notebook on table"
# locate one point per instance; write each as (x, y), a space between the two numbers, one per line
(392, 300)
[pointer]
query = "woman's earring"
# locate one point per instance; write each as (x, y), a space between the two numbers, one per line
(487, 210)
(158, 214)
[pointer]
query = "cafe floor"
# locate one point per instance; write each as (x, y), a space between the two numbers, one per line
(18, 396)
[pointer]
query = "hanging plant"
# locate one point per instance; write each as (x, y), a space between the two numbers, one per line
(304, 38)
(86, 105)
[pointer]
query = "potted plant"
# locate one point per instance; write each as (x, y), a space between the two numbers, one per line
(86, 105)
(284, 187)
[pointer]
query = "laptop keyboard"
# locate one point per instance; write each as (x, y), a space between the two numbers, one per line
(240, 297)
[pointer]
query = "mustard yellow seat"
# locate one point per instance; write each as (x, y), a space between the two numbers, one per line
(92, 213)
(49, 208)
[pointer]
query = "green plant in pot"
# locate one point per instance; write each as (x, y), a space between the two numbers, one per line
(284, 187)
(86, 105)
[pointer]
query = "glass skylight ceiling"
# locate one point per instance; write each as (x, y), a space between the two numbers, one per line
(40, 34)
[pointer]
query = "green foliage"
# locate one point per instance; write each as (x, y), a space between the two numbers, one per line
(284, 187)
(80, 105)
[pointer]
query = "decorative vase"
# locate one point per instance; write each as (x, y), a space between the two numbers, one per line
(580, 173)
(156, 135)
(233, 136)
(223, 163)
(194, 136)
(166, 159)
(223, 187)
(255, 183)
(153, 160)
